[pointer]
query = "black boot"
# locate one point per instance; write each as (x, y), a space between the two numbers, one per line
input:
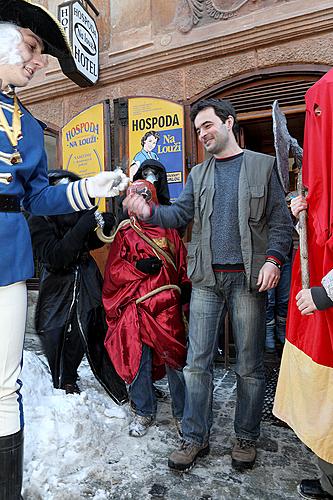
(311, 488)
(11, 466)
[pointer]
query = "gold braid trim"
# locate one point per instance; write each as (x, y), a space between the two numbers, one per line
(136, 227)
(156, 291)
(109, 239)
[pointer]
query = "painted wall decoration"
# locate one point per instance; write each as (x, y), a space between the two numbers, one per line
(156, 130)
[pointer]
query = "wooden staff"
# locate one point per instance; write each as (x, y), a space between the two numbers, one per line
(303, 237)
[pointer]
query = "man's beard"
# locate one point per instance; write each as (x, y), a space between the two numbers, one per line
(216, 146)
(213, 148)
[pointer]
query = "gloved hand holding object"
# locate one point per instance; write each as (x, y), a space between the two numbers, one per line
(107, 184)
(109, 222)
(105, 223)
(92, 219)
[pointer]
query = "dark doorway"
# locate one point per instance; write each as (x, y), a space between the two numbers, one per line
(253, 94)
(258, 134)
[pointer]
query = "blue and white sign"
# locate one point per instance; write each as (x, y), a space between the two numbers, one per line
(82, 33)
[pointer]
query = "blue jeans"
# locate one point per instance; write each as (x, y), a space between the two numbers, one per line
(142, 393)
(247, 313)
(277, 308)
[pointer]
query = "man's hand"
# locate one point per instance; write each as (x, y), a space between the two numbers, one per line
(106, 184)
(269, 276)
(137, 205)
(305, 302)
(297, 205)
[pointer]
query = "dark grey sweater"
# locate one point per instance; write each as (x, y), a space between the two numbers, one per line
(181, 212)
(225, 239)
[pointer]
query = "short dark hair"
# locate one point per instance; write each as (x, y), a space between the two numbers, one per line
(222, 107)
(147, 134)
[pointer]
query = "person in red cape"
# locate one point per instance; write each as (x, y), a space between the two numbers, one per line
(304, 397)
(145, 280)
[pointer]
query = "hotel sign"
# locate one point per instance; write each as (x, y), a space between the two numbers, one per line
(82, 33)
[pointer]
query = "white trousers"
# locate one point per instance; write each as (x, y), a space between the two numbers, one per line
(13, 312)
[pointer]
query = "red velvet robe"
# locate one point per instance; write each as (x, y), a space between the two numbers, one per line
(304, 396)
(157, 321)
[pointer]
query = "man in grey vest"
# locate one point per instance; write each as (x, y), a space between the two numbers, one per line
(240, 237)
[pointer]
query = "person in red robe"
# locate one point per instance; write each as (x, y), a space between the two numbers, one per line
(145, 282)
(304, 397)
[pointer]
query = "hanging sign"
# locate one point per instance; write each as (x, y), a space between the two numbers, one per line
(82, 33)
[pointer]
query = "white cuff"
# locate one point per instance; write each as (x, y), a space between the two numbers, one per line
(77, 195)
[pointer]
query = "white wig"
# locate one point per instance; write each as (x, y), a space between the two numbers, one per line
(10, 38)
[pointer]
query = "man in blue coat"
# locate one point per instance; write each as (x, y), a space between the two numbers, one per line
(27, 32)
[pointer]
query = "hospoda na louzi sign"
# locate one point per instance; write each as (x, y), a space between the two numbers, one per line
(82, 33)
(85, 142)
(156, 130)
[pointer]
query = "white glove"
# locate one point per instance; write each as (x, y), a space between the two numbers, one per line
(107, 184)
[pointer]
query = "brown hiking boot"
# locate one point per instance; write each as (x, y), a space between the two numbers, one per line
(184, 458)
(243, 454)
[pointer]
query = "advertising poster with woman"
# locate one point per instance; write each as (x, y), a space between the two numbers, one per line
(156, 131)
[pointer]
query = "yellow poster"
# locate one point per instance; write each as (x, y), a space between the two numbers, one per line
(83, 143)
(156, 131)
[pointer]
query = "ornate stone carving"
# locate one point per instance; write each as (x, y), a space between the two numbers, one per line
(188, 14)
(218, 9)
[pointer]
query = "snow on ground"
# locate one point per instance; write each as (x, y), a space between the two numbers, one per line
(74, 443)
(78, 447)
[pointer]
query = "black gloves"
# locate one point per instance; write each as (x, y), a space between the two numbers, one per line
(151, 265)
(86, 222)
(109, 222)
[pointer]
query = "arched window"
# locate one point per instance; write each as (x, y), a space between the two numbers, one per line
(252, 94)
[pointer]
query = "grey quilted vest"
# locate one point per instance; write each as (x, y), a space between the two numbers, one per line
(254, 178)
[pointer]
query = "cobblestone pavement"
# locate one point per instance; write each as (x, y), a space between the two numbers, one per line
(282, 460)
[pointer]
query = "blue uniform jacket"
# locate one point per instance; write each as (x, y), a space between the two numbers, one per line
(30, 184)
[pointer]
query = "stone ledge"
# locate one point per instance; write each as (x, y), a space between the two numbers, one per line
(275, 32)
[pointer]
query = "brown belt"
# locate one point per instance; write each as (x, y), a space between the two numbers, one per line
(9, 203)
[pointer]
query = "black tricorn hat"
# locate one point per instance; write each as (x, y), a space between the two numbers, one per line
(27, 14)
(38, 19)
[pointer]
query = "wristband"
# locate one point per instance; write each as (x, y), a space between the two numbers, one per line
(272, 261)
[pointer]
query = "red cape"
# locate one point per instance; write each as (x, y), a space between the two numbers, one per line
(314, 334)
(157, 321)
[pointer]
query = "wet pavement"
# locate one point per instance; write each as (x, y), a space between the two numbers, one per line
(281, 463)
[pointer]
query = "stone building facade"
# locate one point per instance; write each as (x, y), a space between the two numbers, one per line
(249, 50)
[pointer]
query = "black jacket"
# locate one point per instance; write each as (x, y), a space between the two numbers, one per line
(71, 284)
